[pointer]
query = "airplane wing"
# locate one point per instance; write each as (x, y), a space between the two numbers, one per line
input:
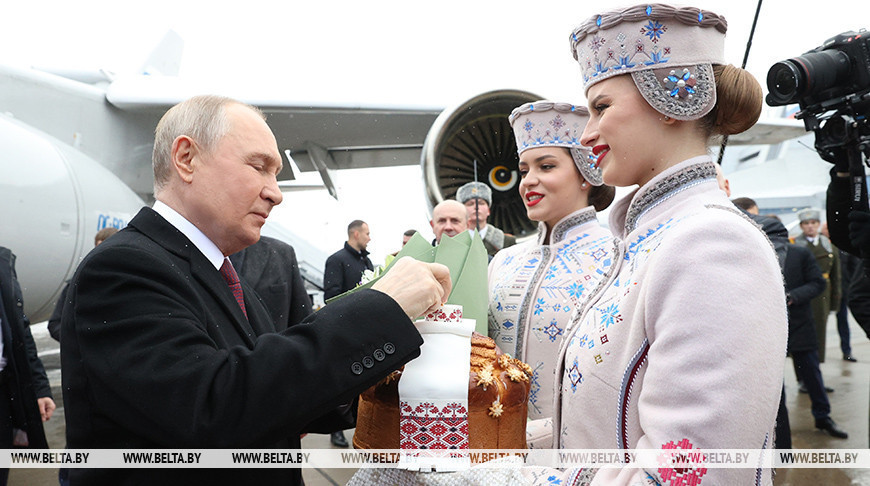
(769, 131)
(314, 136)
(355, 135)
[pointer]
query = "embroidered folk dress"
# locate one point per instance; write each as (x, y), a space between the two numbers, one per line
(534, 290)
(683, 345)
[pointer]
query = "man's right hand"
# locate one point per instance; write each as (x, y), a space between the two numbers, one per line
(416, 286)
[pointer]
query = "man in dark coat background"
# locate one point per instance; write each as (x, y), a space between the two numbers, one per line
(25, 394)
(163, 347)
(343, 271)
(803, 282)
(345, 267)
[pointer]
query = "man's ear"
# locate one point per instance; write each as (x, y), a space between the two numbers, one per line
(181, 157)
(432, 223)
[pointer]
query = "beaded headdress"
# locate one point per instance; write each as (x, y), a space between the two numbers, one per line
(668, 50)
(547, 123)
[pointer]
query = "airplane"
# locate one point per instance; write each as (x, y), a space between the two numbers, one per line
(76, 157)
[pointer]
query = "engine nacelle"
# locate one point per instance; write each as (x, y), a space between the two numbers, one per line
(478, 130)
(53, 200)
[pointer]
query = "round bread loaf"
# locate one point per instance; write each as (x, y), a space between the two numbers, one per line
(498, 396)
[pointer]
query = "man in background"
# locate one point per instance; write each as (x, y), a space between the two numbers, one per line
(406, 237)
(450, 218)
(25, 394)
(477, 198)
(344, 270)
(803, 282)
(345, 267)
(747, 204)
(828, 258)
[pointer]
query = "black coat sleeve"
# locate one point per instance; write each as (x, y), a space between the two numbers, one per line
(54, 320)
(145, 353)
(40, 380)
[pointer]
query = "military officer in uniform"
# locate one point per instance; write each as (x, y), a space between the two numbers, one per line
(477, 198)
(827, 256)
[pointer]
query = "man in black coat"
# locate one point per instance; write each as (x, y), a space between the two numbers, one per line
(163, 347)
(269, 266)
(25, 394)
(803, 281)
(343, 271)
(345, 267)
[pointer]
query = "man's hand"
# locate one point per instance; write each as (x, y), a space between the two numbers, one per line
(46, 407)
(416, 286)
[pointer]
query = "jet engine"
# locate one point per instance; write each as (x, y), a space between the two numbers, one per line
(54, 200)
(478, 132)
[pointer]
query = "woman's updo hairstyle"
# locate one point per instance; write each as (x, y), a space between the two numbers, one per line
(738, 105)
(600, 197)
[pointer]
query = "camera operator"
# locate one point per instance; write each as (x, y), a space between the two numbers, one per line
(850, 231)
(832, 86)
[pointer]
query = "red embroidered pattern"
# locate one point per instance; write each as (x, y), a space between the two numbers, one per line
(686, 472)
(428, 427)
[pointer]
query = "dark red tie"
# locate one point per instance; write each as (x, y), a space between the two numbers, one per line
(229, 274)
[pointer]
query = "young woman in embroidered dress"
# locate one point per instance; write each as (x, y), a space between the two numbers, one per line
(536, 288)
(670, 353)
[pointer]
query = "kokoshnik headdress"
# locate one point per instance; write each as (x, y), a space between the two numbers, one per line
(547, 123)
(669, 52)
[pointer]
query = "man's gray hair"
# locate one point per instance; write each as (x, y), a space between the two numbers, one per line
(202, 118)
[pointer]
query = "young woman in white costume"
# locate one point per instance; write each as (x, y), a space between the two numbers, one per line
(535, 288)
(683, 347)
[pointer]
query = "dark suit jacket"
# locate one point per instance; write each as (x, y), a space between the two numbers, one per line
(156, 353)
(29, 381)
(270, 267)
(803, 282)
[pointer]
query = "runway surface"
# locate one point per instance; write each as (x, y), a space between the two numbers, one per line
(850, 403)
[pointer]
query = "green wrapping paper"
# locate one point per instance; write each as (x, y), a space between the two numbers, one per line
(465, 256)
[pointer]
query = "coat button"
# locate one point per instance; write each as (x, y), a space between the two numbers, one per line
(379, 354)
(356, 368)
(368, 362)
(389, 348)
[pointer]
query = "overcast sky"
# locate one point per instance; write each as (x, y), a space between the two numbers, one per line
(416, 53)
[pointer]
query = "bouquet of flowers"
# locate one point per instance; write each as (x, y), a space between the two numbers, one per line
(465, 256)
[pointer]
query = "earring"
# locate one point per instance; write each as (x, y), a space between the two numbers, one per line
(584, 185)
(667, 118)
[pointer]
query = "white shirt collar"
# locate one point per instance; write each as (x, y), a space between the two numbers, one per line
(197, 237)
(483, 231)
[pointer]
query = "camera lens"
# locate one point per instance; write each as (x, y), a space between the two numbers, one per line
(806, 76)
(785, 81)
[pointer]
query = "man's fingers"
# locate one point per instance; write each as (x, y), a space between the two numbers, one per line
(442, 276)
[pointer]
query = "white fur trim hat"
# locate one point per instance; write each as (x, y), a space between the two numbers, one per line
(669, 52)
(473, 190)
(547, 123)
(809, 214)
